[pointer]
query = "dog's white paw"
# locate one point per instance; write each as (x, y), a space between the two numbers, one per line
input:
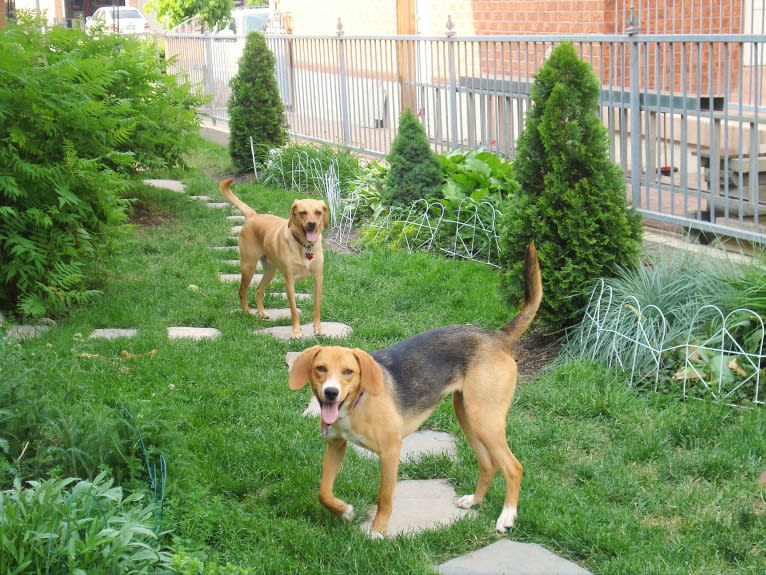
(348, 514)
(506, 520)
(312, 409)
(465, 502)
(373, 534)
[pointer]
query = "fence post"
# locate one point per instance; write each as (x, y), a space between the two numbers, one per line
(342, 85)
(452, 83)
(635, 111)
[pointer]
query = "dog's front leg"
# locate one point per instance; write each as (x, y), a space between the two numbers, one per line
(333, 456)
(389, 469)
(294, 313)
(318, 280)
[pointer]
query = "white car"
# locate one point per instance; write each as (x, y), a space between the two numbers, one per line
(118, 19)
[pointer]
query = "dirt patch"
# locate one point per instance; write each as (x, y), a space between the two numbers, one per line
(536, 351)
(143, 215)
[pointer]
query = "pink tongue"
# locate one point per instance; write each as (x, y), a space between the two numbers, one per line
(312, 236)
(329, 413)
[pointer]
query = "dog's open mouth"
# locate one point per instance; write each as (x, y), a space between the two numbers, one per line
(312, 235)
(330, 412)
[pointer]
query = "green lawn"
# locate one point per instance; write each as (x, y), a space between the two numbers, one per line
(616, 481)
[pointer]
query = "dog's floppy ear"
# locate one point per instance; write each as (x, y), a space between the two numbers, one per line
(300, 371)
(293, 216)
(371, 375)
(325, 216)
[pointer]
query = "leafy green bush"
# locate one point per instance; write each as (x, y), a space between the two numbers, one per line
(255, 107)
(476, 174)
(73, 526)
(572, 197)
(415, 172)
(77, 116)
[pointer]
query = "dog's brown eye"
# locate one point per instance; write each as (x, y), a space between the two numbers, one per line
(348, 372)
(321, 369)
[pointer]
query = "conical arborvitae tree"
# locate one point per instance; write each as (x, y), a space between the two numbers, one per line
(414, 169)
(572, 200)
(255, 106)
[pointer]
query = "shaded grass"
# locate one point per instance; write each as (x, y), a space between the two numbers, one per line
(616, 481)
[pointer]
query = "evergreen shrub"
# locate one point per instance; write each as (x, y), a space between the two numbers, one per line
(415, 171)
(572, 196)
(255, 107)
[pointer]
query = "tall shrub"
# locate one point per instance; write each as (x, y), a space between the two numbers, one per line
(255, 106)
(572, 196)
(415, 171)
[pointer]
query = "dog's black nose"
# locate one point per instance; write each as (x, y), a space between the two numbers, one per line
(311, 226)
(331, 394)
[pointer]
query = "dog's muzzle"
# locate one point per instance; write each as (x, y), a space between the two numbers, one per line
(312, 232)
(330, 405)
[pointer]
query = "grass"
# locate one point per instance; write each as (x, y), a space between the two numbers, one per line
(617, 481)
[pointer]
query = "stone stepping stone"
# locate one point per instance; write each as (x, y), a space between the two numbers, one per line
(298, 296)
(275, 313)
(23, 332)
(218, 205)
(285, 332)
(197, 333)
(510, 558)
(415, 445)
(235, 230)
(421, 505)
(234, 278)
(172, 185)
(112, 333)
(236, 218)
(224, 248)
(202, 198)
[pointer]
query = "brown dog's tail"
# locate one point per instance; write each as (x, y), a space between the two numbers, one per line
(225, 186)
(533, 295)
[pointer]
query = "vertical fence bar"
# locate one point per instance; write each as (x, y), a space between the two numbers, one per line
(635, 113)
(342, 86)
(452, 84)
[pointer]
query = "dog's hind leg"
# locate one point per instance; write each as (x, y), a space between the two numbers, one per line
(247, 271)
(269, 271)
(512, 471)
(487, 469)
(295, 316)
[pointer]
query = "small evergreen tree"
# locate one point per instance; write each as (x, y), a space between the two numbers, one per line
(255, 106)
(572, 200)
(415, 171)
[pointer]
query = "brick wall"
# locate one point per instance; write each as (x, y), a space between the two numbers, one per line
(541, 16)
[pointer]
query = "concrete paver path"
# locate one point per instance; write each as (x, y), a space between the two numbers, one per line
(506, 557)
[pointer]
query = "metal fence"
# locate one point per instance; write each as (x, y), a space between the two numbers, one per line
(684, 112)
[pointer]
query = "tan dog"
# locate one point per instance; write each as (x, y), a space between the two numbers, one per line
(292, 246)
(375, 400)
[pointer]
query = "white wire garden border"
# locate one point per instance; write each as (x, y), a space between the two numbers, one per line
(471, 234)
(714, 366)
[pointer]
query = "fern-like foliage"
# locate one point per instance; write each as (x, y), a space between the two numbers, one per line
(78, 116)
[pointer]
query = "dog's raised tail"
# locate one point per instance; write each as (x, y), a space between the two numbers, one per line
(533, 295)
(225, 186)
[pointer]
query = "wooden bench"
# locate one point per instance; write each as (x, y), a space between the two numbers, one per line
(741, 181)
